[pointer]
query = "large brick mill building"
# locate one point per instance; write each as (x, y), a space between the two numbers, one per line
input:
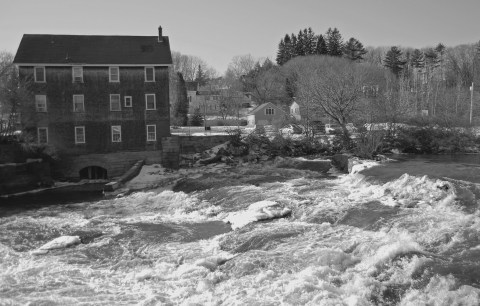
(101, 101)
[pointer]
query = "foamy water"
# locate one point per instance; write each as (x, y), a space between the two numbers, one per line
(256, 235)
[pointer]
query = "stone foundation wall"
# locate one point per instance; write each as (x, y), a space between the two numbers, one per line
(18, 177)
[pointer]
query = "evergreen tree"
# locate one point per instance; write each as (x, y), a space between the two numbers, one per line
(354, 50)
(417, 60)
(431, 58)
(440, 49)
(393, 60)
(281, 53)
(334, 42)
(300, 45)
(288, 48)
(310, 43)
(197, 118)
(181, 107)
(293, 49)
(321, 46)
(201, 78)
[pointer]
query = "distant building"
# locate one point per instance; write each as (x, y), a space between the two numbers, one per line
(295, 111)
(101, 101)
(210, 99)
(266, 114)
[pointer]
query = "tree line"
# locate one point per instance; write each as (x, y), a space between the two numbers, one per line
(306, 42)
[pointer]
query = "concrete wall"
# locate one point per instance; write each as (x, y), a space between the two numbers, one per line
(116, 164)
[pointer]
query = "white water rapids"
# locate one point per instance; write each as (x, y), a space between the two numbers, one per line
(293, 237)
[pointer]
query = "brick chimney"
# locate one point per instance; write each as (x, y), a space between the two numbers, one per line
(160, 37)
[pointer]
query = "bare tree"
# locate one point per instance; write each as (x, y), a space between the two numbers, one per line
(188, 65)
(333, 86)
(12, 92)
(241, 65)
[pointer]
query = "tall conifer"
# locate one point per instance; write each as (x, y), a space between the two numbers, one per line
(393, 60)
(334, 42)
(321, 46)
(354, 50)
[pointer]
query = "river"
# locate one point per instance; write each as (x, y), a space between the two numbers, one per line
(405, 232)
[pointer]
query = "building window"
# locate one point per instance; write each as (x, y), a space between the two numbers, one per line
(78, 104)
(128, 101)
(151, 132)
(269, 111)
(150, 101)
(116, 133)
(77, 72)
(39, 73)
(149, 74)
(41, 103)
(114, 74)
(79, 134)
(115, 103)
(42, 133)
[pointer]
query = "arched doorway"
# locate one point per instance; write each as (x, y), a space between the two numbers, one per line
(93, 173)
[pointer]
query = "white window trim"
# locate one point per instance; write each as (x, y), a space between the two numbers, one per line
(154, 102)
(110, 74)
(76, 134)
(153, 74)
(35, 74)
(120, 129)
(36, 104)
(154, 131)
(273, 111)
(125, 101)
(119, 103)
(83, 103)
(38, 134)
(73, 74)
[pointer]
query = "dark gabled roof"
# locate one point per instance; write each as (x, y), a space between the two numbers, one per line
(93, 49)
(263, 106)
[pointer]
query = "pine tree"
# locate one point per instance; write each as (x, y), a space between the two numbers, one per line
(321, 46)
(288, 54)
(334, 42)
(281, 53)
(300, 45)
(293, 49)
(197, 118)
(181, 107)
(417, 60)
(201, 78)
(431, 58)
(393, 60)
(354, 50)
(310, 43)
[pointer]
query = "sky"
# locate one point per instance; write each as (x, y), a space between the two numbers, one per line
(218, 30)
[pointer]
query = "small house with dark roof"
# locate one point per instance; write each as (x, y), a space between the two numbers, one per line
(101, 101)
(266, 114)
